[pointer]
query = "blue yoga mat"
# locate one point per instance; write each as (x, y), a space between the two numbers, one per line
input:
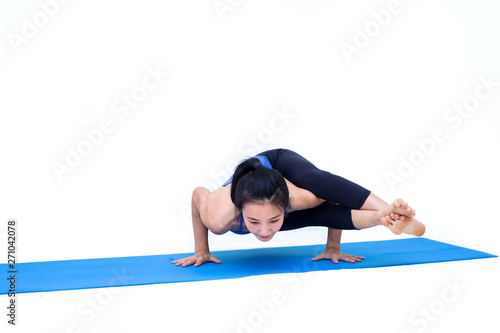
(140, 270)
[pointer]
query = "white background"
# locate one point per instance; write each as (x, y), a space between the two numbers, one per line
(232, 69)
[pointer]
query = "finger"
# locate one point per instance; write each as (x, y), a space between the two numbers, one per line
(216, 260)
(347, 259)
(188, 262)
(178, 260)
(199, 262)
(355, 256)
(320, 257)
(351, 256)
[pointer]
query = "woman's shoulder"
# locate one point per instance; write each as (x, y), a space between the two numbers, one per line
(219, 212)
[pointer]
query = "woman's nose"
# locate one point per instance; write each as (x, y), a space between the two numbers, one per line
(266, 231)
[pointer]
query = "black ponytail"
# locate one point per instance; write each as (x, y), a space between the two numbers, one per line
(255, 183)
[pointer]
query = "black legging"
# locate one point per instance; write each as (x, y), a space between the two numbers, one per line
(323, 184)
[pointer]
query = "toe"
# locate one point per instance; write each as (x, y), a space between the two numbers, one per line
(384, 221)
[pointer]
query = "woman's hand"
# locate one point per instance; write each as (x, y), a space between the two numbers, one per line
(199, 258)
(335, 255)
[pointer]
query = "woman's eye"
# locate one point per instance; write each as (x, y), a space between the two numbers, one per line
(274, 221)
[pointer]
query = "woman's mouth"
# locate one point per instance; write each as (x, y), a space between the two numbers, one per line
(265, 237)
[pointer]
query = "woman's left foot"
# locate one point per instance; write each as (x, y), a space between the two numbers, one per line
(399, 224)
(396, 223)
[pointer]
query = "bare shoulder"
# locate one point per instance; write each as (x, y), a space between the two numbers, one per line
(219, 212)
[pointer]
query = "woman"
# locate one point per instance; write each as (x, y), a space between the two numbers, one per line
(281, 190)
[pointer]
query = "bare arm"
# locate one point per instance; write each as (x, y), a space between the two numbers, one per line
(333, 240)
(210, 211)
(198, 203)
(202, 254)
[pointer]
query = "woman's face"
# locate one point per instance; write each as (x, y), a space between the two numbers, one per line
(262, 219)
